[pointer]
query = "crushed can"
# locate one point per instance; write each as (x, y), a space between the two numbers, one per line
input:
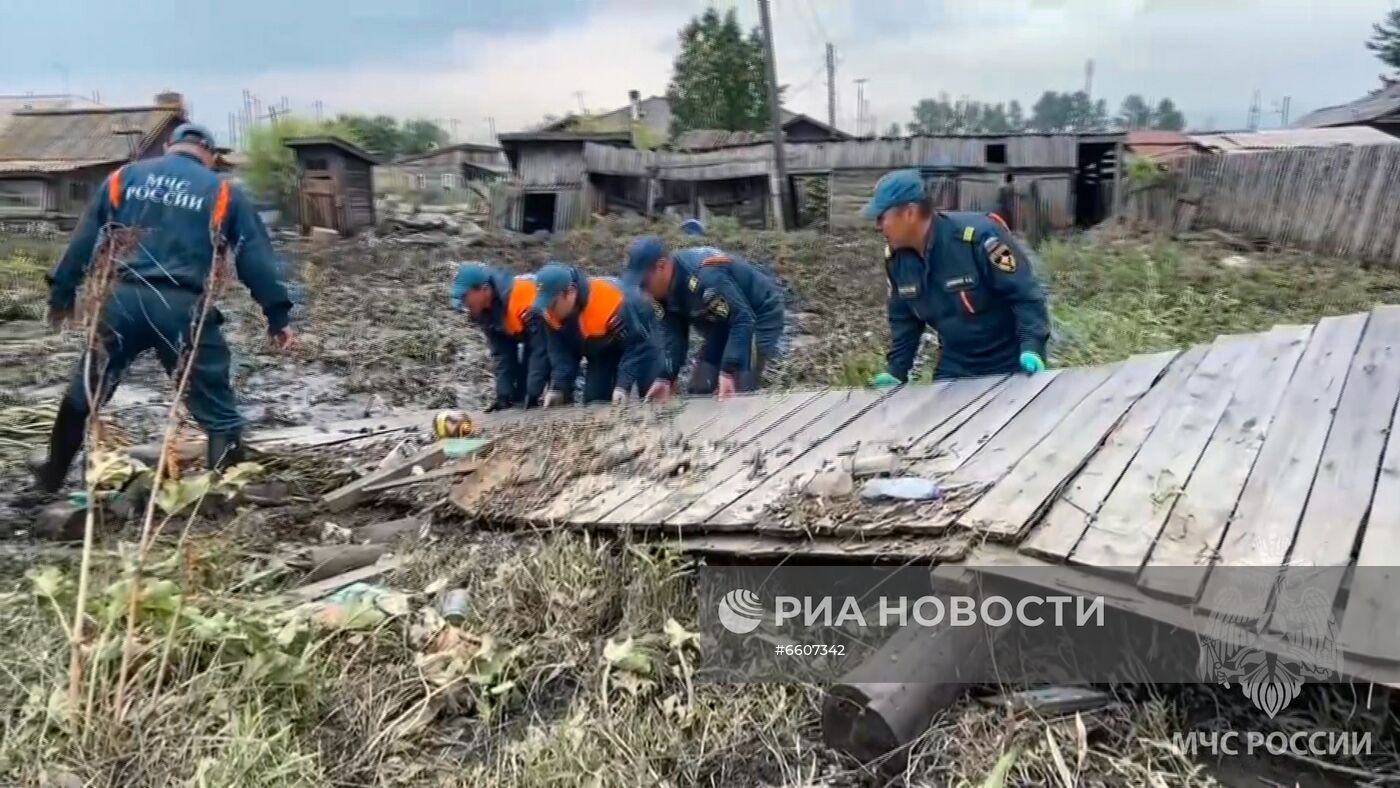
(454, 606)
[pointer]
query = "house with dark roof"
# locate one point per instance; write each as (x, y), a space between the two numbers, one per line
(1380, 110)
(52, 159)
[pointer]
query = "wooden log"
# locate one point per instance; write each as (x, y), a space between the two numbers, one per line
(328, 562)
(885, 703)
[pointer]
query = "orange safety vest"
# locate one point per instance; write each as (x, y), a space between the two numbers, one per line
(604, 301)
(522, 300)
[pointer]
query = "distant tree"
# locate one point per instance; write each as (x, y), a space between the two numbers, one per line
(1015, 116)
(420, 136)
(718, 80)
(1385, 42)
(1051, 112)
(994, 120)
(1167, 117)
(893, 130)
(1135, 113)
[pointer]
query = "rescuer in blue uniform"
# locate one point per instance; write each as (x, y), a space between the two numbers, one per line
(962, 274)
(611, 324)
(185, 214)
(504, 306)
(736, 307)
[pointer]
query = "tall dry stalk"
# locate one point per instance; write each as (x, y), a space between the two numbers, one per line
(116, 243)
(213, 285)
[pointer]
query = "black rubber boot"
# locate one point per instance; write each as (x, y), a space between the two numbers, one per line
(225, 450)
(65, 442)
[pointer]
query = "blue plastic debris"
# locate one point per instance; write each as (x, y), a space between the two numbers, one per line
(903, 488)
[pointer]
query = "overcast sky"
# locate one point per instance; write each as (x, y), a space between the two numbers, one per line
(517, 60)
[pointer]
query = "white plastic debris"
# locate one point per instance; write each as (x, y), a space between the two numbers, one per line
(903, 488)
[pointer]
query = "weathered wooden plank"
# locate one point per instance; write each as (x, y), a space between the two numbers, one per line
(1203, 508)
(1369, 624)
(904, 417)
(957, 446)
(850, 406)
(1346, 476)
(343, 498)
(1069, 516)
(716, 421)
(1031, 425)
(788, 415)
(1128, 522)
(1008, 508)
(901, 549)
(1269, 509)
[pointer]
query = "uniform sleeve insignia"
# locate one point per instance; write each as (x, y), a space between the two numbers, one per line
(1000, 255)
(694, 283)
(968, 234)
(658, 310)
(718, 307)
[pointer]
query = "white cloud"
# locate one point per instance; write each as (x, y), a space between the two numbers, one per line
(1207, 55)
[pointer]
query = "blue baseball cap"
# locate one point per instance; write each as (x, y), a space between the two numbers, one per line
(692, 227)
(642, 254)
(550, 282)
(894, 188)
(469, 276)
(194, 133)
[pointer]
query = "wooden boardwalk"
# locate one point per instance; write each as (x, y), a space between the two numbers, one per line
(1263, 450)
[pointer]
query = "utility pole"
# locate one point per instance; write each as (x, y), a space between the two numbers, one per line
(1252, 121)
(831, 85)
(318, 107)
(1089, 78)
(779, 159)
(860, 106)
(579, 95)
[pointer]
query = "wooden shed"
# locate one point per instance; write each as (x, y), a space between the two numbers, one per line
(554, 192)
(335, 184)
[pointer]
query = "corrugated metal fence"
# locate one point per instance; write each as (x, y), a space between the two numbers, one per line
(1342, 201)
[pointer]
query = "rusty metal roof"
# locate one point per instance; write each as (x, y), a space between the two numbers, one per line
(84, 134)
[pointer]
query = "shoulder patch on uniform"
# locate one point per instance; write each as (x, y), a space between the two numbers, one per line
(968, 234)
(1000, 255)
(888, 252)
(694, 283)
(715, 304)
(658, 310)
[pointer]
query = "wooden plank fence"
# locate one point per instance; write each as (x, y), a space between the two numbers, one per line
(1342, 201)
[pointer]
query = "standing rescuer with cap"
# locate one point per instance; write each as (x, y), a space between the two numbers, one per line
(961, 274)
(610, 324)
(504, 306)
(737, 308)
(184, 213)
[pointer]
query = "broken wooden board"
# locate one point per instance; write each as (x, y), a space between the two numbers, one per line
(882, 549)
(588, 500)
(837, 409)
(1266, 517)
(345, 497)
(1069, 516)
(957, 447)
(1346, 476)
(747, 447)
(1373, 606)
(458, 468)
(1131, 517)
(322, 588)
(1007, 509)
(1029, 426)
(903, 418)
(1193, 529)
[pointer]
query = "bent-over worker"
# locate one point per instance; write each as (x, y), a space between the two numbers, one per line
(961, 274)
(736, 307)
(606, 322)
(185, 214)
(504, 306)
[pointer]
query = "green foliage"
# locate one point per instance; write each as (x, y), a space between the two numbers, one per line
(944, 116)
(1167, 117)
(385, 137)
(1055, 111)
(1142, 172)
(1052, 112)
(1135, 113)
(271, 171)
(718, 80)
(1385, 42)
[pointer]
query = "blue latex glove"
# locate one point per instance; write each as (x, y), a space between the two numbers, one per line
(1032, 363)
(884, 380)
